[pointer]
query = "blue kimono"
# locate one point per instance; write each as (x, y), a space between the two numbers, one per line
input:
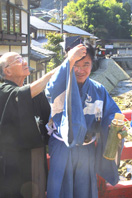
(73, 165)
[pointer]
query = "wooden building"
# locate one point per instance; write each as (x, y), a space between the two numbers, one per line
(15, 31)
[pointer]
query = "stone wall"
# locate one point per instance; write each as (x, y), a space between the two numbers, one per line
(109, 74)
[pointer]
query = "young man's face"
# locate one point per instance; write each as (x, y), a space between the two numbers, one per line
(82, 69)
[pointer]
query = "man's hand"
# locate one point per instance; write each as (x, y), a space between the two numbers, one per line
(123, 133)
(76, 54)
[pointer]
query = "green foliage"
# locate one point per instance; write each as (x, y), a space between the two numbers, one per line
(73, 16)
(104, 18)
(53, 20)
(53, 45)
(50, 65)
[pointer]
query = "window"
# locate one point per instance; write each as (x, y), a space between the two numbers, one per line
(14, 20)
(10, 18)
(4, 17)
(122, 44)
(17, 20)
(128, 45)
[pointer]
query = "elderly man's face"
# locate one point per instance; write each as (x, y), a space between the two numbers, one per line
(82, 69)
(16, 66)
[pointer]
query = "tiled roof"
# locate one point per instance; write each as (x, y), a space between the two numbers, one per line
(43, 51)
(72, 29)
(41, 54)
(38, 42)
(38, 56)
(41, 25)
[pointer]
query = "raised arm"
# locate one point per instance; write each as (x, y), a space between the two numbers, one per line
(76, 54)
(73, 55)
(39, 85)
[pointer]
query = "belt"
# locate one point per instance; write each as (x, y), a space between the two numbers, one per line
(57, 137)
(85, 143)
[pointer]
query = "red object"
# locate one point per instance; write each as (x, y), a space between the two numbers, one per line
(103, 53)
(127, 151)
(128, 114)
(48, 161)
(123, 188)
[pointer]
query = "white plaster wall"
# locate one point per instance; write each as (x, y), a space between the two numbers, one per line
(25, 4)
(33, 64)
(16, 49)
(24, 22)
(12, 1)
(4, 49)
(24, 49)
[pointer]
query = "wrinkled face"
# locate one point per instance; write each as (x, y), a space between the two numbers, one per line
(82, 69)
(17, 66)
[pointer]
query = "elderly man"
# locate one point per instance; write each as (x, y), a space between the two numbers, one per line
(24, 111)
(20, 137)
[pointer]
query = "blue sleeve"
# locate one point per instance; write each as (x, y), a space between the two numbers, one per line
(109, 109)
(57, 83)
(107, 168)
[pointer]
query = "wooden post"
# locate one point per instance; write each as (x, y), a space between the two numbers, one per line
(38, 173)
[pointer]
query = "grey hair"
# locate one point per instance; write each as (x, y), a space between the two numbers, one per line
(4, 62)
(2, 65)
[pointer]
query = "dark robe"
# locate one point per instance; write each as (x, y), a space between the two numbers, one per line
(22, 141)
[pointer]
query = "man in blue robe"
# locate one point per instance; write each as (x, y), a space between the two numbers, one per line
(81, 110)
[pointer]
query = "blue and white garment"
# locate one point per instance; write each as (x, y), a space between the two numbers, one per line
(88, 104)
(56, 91)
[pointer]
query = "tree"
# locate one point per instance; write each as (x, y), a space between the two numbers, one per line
(53, 44)
(103, 18)
(118, 18)
(73, 16)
